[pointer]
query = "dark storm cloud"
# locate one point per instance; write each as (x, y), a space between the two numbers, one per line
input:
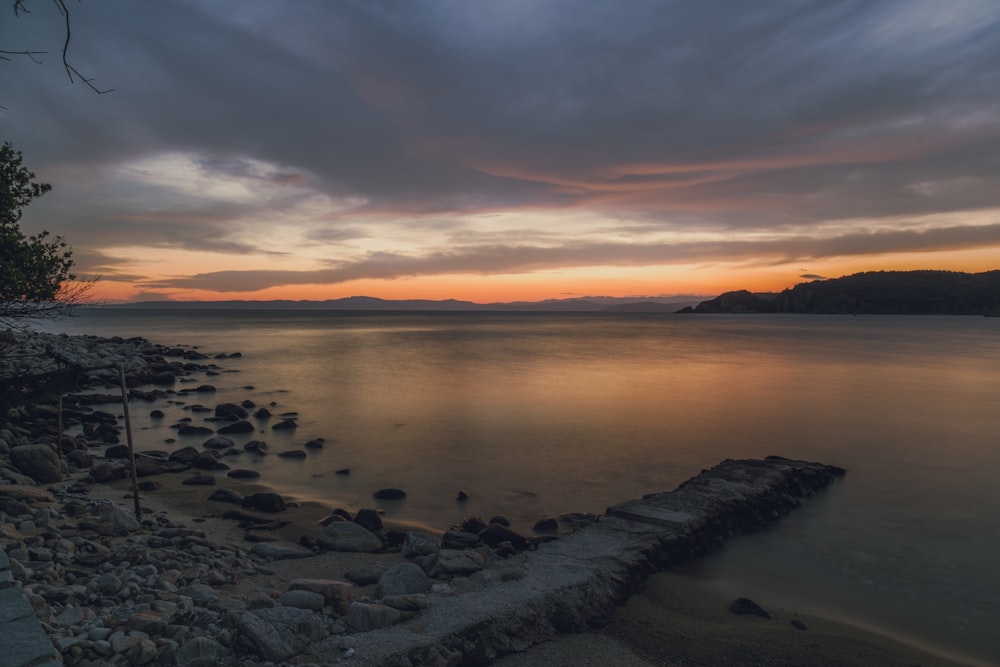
(661, 115)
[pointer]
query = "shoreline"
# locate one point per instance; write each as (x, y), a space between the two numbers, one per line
(178, 506)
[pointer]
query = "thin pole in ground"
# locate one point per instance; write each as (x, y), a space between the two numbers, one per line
(131, 449)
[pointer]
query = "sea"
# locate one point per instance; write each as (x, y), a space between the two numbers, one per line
(538, 414)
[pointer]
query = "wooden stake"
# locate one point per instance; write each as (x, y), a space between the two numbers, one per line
(131, 449)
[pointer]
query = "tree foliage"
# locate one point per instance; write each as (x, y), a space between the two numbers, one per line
(34, 270)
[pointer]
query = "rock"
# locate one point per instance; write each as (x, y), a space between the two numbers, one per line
(420, 544)
(226, 496)
(187, 429)
(116, 452)
(207, 461)
(747, 607)
(200, 480)
(39, 462)
(342, 471)
(218, 442)
(147, 621)
(203, 649)
(403, 579)
(186, 455)
(459, 539)
(495, 534)
(164, 378)
(284, 425)
(280, 550)
(142, 652)
(243, 473)
(412, 602)
(473, 524)
(365, 617)
(347, 536)
(230, 410)
(798, 625)
(205, 388)
(547, 525)
(238, 427)
(389, 494)
(292, 454)
(107, 471)
(146, 468)
(148, 485)
(336, 594)
(369, 519)
(316, 443)
(279, 633)
(461, 496)
(265, 502)
(256, 446)
(156, 414)
(302, 599)
(462, 562)
(366, 574)
(262, 413)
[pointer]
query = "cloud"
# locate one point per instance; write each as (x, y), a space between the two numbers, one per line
(507, 259)
(405, 137)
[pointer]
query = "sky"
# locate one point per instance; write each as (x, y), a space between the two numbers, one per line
(507, 150)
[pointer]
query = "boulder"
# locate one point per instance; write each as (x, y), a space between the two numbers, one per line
(284, 425)
(279, 633)
(461, 562)
(369, 519)
(230, 410)
(347, 536)
(39, 462)
(389, 494)
(747, 607)
(108, 472)
(336, 594)
(199, 480)
(238, 427)
(226, 496)
(417, 543)
(116, 452)
(366, 575)
(364, 617)
(301, 599)
(185, 455)
(265, 502)
(281, 550)
(496, 533)
(256, 446)
(403, 579)
(242, 473)
(218, 442)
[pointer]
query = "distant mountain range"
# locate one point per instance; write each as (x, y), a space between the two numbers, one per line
(668, 304)
(873, 292)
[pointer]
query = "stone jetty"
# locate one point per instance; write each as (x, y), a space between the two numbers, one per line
(85, 582)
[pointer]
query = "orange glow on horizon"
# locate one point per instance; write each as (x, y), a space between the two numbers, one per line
(638, 282)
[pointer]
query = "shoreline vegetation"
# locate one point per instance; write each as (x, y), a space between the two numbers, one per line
(211, 582)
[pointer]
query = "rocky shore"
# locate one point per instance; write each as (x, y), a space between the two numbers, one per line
(261, 581)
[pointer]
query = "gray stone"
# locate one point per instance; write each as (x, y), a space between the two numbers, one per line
(336, 594)
(142, 652)
(420, 544)
(458, 562)
(39, 462)
(347, 536)
(24, 641)
(200, 648)
(366, 574)
(281, 550)
(302, 600)
(279, 633)
(411, 602)
(366, 617)
(403, 579)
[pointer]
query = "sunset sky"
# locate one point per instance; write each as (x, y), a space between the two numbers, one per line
(508, 150)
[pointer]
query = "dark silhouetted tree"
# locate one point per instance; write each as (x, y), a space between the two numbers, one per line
(35, 271)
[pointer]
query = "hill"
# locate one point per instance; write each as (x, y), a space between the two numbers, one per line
(873, 292)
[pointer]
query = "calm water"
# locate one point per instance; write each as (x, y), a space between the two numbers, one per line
(534, 415)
